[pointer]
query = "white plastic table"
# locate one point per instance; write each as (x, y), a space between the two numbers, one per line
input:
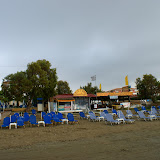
(64, 120)
(120, 120)
(100, 118)
(113, 114)
(129, 115)
(152, 116)
(88, 116)
(12, 124)
(41, 122)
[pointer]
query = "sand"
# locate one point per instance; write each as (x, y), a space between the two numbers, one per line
(86, 140)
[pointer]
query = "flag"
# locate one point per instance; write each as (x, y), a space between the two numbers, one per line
(100, 87)
(93, 78)
(126, 80)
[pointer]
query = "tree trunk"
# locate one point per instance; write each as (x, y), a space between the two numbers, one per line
(28, 105)
(17, 103)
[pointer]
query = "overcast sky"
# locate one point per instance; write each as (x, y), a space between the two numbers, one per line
(82, 38)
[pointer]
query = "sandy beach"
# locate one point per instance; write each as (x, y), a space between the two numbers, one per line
(86, 140)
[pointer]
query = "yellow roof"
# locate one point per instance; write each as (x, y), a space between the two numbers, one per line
(80, 92)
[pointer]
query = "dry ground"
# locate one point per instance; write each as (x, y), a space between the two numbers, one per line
(87, 140)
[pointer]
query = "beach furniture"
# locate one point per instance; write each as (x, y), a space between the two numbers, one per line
(60, 116)
(142, 116)
(50, 115)
(144, 109)
(32, 120)
(105, 111)
(17, 115)
(109, 118)
(53, 113)
(82, 115)
(93, 117)
(43, 114)
(20, 122)
(6, 122)
(33, 111)
(20, 117)
(114, 112)
(136, 110)
(90, 112)
(13, 119)
(57, 119)
(159, 109)
(130, 114)
(25, 113)
(47, 120)
(103, 114)
(71, 118)
(88, 116)
(121, 116)
(26, 117)
(154, 110)
(154, 113)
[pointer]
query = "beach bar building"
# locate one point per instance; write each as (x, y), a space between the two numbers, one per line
(115, 97)
(64, 102)
(83, 100)
(80, 100)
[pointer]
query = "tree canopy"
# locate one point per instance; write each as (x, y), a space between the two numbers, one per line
(15, 85)
(148, 87)
(39, 80)
(63, 87)
(89, 89)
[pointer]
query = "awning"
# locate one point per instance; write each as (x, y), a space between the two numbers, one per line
(67, 100)
(114, 94)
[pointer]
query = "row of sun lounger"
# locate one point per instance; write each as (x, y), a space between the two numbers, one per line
(53, 118)
(121, 118)
(46, 119)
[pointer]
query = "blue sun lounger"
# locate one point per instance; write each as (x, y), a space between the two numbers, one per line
(82, 115)
(47, 120)
(142, 116)
(121, 116)
(20, 122)
(109, 118)
(6, 122)
(32, 120)
(71, 118)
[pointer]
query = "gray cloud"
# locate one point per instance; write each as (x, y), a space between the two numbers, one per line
(110, 39)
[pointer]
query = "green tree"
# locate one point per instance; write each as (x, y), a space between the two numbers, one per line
(43, 79)
(148, 87)
(14, 86)
(63, 88)
(39, 80)
(89, 89)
